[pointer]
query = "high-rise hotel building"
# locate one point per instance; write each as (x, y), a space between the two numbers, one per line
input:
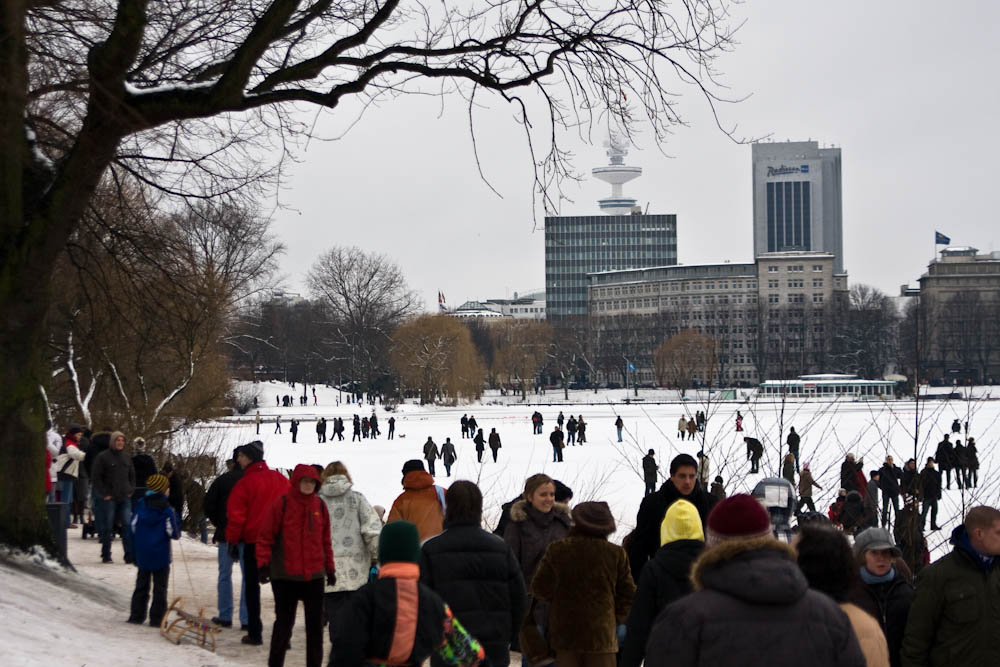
(797, 202)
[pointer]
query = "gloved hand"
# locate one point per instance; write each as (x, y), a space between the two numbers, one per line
(234, 551)
(620, 632)
(331, 578)
(264, 573)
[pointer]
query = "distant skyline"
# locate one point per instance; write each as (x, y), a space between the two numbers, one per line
(907, 90)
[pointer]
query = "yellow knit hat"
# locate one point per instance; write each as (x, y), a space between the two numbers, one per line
(681, 522)
(157, 483)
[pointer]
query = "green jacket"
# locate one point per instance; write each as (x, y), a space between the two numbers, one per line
(955, 617)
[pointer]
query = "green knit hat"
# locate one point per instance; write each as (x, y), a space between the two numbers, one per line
(399, 543)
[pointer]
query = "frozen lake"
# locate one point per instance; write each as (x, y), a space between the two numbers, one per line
(604, 469)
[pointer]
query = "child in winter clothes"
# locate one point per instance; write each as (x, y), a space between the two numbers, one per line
(154, 524)
(297, 565)
(396, 620)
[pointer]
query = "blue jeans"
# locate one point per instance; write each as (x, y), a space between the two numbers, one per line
(106, 512)
(225, 585)
(65, 487)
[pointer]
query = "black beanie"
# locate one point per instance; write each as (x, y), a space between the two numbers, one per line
(563, 492)
(253, 450)
(399, 543)
(413, 464)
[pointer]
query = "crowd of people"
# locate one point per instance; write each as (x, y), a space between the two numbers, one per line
(702, 579)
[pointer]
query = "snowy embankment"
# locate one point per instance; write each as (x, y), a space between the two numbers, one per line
(52, 616)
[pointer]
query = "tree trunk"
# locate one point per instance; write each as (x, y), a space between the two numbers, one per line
(23, 520)
(22, 311)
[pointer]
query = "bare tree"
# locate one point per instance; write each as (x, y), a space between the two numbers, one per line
(686, 358)
(367, 298)
(190, 99)
(521, 348)
(434, 354)
(863, 330)
(142, 309)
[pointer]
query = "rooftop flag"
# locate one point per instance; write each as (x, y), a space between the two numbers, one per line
(941, 239)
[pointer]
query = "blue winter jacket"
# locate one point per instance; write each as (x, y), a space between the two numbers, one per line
(154, 524)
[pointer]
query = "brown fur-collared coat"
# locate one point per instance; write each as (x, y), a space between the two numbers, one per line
(589, 588)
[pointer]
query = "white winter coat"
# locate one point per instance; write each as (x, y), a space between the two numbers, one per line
(354, 530)
(69, 461)
(54, 444)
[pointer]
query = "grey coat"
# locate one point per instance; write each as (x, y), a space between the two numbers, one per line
(113, 475)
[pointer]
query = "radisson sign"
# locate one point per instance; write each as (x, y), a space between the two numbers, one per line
(784, 169)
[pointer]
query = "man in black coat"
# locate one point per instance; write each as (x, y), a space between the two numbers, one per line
(944, 456)
(909, 483)
(755, 450)
(215, 509)
(556, 438)
(793, 446)
(649, 470)
(683, 483)
(849, 473)
(888, 483)
(176, 498)
(476, 573)
(930, 486)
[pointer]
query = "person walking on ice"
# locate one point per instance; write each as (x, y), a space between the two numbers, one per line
(494, 442)
(431, 454)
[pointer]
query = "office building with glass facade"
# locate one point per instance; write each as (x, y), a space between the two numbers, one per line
(797, 202)
(578, 245)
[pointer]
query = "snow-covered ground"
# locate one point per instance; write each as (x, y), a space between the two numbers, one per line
(51, 617)
(605, 469)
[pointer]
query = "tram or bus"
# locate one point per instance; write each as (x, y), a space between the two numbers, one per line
(828, 387)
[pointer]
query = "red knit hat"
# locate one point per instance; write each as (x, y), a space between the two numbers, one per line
(739, 517)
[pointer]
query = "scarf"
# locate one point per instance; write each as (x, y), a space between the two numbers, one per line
(872, 579)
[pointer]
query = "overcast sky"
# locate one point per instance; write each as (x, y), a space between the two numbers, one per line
(908, 90)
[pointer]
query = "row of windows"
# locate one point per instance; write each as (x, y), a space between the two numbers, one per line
(788, 215)
(794, 268)
(672, 287)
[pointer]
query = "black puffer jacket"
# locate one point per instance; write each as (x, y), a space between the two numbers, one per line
(99, 442)
(530, 532)
(216, 498)
(664, 579)
(889, 603)
(852, 516)
(752, 607)
(476, 574)
(365, 629)
(646, 540)
(888, 480)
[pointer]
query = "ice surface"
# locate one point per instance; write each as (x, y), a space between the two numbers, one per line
(604, 469)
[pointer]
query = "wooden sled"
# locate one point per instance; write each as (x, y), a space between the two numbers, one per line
(177, 623)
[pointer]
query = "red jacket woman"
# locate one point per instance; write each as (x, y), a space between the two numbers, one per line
(295, 553)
